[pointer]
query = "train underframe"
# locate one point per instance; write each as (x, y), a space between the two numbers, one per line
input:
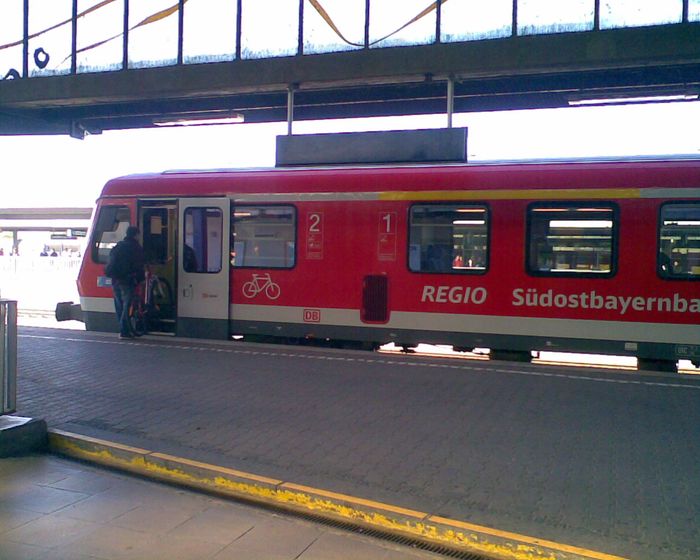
(505, 347)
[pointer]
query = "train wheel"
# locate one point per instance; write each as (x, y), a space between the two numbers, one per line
(648, 364)
(511, 355)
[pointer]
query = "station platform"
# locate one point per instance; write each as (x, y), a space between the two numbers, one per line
(512, 460)
(52, 509)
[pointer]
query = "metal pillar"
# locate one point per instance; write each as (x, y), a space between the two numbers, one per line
(8, 356)
(15, 242)
(450, 100)
(290, 109)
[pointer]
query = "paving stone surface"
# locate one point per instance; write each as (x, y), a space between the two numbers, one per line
(598, 459)
(153, 521)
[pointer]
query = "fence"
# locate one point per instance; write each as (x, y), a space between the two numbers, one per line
(39, 282)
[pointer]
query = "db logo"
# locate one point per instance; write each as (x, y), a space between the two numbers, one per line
(312, 315)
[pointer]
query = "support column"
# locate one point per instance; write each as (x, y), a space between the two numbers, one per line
(450, 100)
(290, 108)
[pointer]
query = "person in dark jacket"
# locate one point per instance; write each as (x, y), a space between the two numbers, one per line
(126, 264)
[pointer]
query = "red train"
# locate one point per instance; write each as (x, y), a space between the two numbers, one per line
(597, 257)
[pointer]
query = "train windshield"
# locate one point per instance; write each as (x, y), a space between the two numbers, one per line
(679, 241)
(110, 228)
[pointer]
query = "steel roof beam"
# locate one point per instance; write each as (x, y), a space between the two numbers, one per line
(515, 72)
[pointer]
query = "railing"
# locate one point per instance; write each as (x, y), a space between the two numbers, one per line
(27, 264)
(8, 356)
(39, 282)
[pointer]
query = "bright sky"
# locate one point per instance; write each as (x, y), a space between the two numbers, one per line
(61, 171)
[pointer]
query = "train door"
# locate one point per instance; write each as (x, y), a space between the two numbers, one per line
(158, 224)
(203, 267)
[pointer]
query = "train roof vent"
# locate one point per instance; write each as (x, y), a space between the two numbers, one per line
(391, 146)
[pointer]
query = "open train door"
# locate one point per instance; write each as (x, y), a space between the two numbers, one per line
(203, 267)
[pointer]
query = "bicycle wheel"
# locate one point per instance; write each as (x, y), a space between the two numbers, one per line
(161, 292)
(137, 320)
(250, 290)
(272, 291)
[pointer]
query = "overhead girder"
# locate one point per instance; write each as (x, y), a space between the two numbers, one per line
(512, 73)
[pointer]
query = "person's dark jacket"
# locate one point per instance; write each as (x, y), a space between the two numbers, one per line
(128, 255)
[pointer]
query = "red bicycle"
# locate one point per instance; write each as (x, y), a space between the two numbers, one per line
(150, 296)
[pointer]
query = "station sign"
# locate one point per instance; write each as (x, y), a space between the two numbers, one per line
(70, 234)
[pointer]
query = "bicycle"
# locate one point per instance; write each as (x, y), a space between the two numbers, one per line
(149, 297)
(260, 283)
(137, 312)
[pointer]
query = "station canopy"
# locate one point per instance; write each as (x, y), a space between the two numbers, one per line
(82, 66)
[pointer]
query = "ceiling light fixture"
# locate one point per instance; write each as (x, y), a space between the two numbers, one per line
(200, 119)
(621, 100)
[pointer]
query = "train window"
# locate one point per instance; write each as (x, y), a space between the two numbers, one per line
(568, 240)
(263, 236)
(679, 241)
(155, 234)
(110, 228)
(448, 238)
(202, 251)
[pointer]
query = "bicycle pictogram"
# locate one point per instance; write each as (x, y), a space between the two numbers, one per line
(260, 283)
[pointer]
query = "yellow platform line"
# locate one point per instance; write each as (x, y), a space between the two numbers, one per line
(422, 526)
(221, 470)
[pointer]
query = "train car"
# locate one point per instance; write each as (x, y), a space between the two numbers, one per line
(599, 257)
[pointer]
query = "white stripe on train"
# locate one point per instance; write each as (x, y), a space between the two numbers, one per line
(623, 331)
